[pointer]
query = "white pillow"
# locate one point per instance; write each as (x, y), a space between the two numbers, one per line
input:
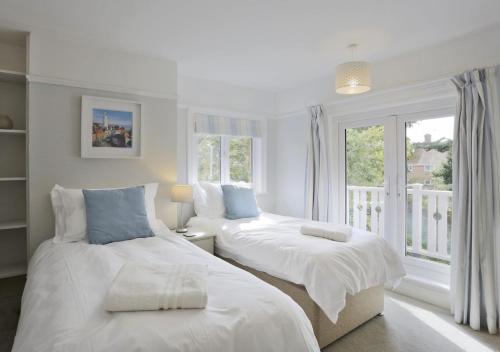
(70, 217)
(208, 200)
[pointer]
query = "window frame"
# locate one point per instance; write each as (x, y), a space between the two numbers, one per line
(225, 158)
(259, 148)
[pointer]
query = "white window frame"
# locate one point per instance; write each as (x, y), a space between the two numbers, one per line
(259, 149)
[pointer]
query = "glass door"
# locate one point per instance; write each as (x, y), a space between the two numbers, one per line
(426, 199)
(366, 180)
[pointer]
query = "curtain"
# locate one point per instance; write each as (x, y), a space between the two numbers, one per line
(210, 124)
(317, 182)
(475, 255)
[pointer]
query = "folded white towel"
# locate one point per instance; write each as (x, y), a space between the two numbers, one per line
(334, 232)
(139, 286)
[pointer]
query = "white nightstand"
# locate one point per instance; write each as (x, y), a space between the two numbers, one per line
(200, 238)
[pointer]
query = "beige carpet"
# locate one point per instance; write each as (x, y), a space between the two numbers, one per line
(412, 326)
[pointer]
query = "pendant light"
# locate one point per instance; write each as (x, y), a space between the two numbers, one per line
(353, 77)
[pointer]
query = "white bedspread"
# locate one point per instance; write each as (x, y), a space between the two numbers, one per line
(63, 305)
(327, 269)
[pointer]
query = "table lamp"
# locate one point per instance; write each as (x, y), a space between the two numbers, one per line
(181, 194)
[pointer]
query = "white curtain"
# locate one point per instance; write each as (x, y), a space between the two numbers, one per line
(317, 182)
(475, 263)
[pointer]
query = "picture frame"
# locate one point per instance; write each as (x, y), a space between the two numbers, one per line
(110, 128)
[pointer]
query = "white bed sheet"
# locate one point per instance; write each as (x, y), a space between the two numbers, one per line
(328, 269)
(63, 305)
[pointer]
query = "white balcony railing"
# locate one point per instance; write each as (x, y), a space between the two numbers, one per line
(428, 218)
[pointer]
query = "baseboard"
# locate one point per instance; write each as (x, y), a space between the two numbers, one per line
(424, 290)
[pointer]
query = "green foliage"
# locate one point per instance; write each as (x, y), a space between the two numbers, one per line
(240, 159)
(209, 158)
(365, 156)
(444, 173)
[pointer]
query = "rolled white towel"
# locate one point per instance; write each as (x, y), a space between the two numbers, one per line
(334, 232)
(140, 286)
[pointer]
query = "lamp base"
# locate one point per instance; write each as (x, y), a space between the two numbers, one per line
(181, 230)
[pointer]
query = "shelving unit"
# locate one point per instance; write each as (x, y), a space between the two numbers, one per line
(13, 224)
(21, 132)
(13, 160)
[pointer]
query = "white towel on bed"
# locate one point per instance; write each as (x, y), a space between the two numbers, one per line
(140, 286)
(334, 232)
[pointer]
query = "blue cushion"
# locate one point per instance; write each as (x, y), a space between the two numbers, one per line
(116, 215)
(239, 202)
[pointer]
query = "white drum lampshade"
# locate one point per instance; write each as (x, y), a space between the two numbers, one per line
(353, 77)
(182, 194)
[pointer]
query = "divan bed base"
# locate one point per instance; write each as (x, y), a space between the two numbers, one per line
(359, 308)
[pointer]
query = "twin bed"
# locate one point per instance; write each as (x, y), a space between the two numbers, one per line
(338, 284)
(330, 288)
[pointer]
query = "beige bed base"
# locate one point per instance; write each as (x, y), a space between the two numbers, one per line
(359, 308)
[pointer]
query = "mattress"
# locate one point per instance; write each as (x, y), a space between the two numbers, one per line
(329, 270)
(63, 304)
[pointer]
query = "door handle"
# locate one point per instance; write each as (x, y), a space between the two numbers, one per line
(387, 186)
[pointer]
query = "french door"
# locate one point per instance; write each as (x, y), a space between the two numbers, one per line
(395, 182)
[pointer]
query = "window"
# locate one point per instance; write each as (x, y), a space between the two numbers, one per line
(428, 168)
(411, 167)
(209, 158)
(225, 159)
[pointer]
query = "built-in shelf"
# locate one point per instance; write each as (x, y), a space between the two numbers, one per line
(14, 224)
(12, 270)
(21, 132)
(12, 179)
(12, 76)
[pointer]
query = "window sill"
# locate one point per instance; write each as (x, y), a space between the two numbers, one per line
(424, 290)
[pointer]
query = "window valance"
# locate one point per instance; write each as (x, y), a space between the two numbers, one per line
(210, 124)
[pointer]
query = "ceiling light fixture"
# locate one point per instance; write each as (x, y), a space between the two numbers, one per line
(353, 77)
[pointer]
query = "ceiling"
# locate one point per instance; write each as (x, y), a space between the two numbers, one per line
(265, 44)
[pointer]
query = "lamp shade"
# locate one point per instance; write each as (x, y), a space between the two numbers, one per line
(353, 77)
(182, 194)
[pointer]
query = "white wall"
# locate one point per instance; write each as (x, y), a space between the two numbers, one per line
(223, 98)
(287, 150)
(60, 72)
(76, 61)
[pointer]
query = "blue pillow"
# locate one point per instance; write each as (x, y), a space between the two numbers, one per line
(239, 202)
(116, 215)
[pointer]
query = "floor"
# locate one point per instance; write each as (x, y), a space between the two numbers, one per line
(412, 326)
(11, 291)
(407, 325)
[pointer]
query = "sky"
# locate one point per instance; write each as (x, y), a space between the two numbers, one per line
(115, 117)
(438, 128)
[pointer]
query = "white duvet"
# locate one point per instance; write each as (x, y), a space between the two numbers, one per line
(63, 305)
(328, 269)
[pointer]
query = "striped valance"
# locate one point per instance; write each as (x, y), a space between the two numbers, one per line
(210, 124)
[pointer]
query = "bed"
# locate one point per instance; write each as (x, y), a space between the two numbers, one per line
(62, 306)
(339, 285)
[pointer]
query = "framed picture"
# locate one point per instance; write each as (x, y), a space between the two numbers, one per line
(111, 128)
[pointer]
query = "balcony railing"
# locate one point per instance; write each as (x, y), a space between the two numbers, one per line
(428, 218)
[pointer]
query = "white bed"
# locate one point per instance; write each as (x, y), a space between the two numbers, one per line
(329, 270)
(62, 306)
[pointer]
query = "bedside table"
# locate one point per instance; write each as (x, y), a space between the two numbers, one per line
(200, 238)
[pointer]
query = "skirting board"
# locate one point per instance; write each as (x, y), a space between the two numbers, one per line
(424, 290)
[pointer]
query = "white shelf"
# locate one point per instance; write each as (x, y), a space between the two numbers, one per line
(21, 132)
(15, 224)
(12, 179)
(12, 76)
(12, 270)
